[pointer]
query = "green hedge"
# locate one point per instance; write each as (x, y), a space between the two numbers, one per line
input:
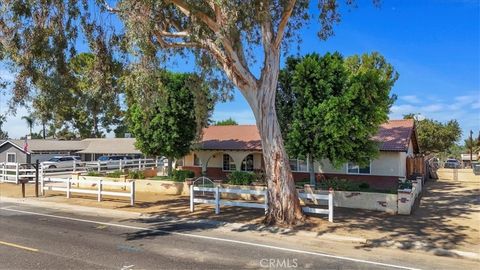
(181, 175)
(240, 178)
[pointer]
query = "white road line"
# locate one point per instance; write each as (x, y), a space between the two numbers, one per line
(215, 239)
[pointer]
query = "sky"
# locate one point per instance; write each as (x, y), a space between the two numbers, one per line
(434, 45)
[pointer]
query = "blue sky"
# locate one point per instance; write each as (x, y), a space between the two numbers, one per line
(434, 45)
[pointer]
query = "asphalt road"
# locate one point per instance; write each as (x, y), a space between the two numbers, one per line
(41, 238)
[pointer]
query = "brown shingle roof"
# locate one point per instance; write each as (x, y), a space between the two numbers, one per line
(394, 136)
(241, 137)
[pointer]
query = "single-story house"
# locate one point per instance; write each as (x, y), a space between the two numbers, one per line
(87, 149)
(224, 149)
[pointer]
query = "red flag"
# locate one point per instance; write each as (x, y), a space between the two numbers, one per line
(25, 145)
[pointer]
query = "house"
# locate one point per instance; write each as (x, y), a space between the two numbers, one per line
(87, 149)
(224, 149)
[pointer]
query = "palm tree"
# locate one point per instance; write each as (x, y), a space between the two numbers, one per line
(30, 120)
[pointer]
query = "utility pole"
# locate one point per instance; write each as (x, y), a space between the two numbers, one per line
(471, 147)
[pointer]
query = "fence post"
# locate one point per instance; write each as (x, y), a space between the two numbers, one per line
(132, 192)
(98, 165)
(16, 173)
(120, 165)
(42, 183)
(330, 205)
(266, 200)
(192, 198)
(74, 165)
(68, 188)
(99, 190)
(139, 163)
(217, 200)
(37, 163)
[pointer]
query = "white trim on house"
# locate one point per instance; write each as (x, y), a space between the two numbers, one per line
(14, 157)
(359, 173)
(15, 145)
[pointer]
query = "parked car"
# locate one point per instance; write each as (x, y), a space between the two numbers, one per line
(60, 162)
(110, 162)
(452, 164)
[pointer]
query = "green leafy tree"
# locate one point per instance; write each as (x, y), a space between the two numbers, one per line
(161, 112)
(331, 107)
(227, 39)
(435, 137)
(30, 121)
(227, 122)
(3, 134)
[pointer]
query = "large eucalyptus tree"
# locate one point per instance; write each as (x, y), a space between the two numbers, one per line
(226, 37)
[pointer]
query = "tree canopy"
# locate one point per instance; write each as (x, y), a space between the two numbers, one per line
(435, 137)
(3, 134)
(162, 112)
(330, 107)
(227, 122)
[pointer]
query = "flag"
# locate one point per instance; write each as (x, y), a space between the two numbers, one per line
(25, 145)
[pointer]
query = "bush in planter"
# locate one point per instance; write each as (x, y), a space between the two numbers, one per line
(93, 173)
(136, 175)
(240, 178)
(115, 174)
(180, 175)
(364, 186)
(338, 184)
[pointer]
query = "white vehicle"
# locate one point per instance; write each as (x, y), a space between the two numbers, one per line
(60, 162)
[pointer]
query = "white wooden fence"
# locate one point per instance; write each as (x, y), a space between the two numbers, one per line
(65, 185)
(12, 172)
(217, 201)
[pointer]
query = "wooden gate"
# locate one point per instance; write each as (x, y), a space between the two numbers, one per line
(415, 166)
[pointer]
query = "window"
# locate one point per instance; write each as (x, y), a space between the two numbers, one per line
(353, 168)
(196, 160)
(299, 165)
(228, 163)
(11, 157)
(247, 164)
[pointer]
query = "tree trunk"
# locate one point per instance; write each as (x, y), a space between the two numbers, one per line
(44, 131)
(311, 170)
(283, 203)
(170, 166)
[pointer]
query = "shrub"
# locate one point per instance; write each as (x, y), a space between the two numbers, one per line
(93, 173)
(136, 175)
(181, 175)
(339, 184)
(115, 174)
(240, 178)
(364, 186)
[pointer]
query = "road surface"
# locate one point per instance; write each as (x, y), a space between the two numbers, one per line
(42, 238)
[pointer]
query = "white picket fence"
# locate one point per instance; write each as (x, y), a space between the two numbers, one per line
(65, 185)
(217, 201)
(12, 172)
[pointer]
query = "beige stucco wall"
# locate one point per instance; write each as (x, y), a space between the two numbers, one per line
(387, 163)
(215, 159)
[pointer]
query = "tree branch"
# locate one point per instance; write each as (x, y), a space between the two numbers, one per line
(185, 9)
(283, 23)
(110, 8)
